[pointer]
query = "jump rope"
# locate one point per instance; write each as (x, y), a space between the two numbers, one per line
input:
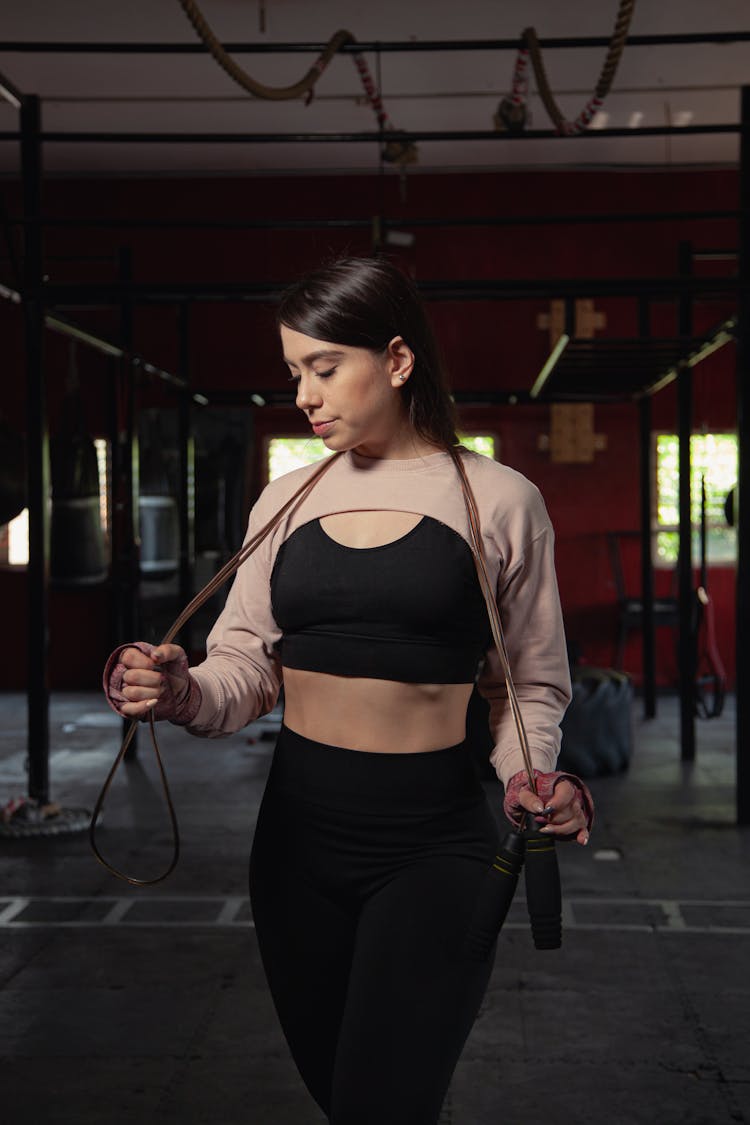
(524, 844)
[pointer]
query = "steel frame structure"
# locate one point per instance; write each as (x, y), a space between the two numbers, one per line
(37, 298)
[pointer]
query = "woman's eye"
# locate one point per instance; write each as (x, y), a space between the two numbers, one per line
(320, 374)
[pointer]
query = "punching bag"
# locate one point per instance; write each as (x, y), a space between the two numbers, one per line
(157, 510)
(78, 555)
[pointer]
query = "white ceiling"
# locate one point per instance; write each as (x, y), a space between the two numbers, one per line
(699, 84)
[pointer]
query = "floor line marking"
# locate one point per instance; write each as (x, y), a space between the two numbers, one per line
(14, 907)
(117, 913)
(228, 907)
(229, 911)
(674, 916)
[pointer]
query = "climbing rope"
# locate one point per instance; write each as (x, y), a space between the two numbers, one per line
(394, 151)
(511, 113)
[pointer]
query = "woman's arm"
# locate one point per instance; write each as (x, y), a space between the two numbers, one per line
(530, 611)
(241, 676)
(529, 606)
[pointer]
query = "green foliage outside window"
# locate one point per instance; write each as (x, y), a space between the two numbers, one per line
(480, 443)
(287, 453)
(713, 456)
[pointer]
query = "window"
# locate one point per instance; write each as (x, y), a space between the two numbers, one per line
(287, 453)
(713, 457)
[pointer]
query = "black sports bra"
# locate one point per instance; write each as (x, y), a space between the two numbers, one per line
(410, 610)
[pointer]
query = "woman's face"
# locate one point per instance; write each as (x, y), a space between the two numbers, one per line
(351, 396)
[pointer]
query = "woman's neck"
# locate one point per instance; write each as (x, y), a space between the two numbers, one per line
(402, 446)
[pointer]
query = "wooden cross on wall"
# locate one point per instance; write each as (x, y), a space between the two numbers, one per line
(572, 439)
(587, 320)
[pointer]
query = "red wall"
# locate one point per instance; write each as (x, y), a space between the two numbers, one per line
(487, 345)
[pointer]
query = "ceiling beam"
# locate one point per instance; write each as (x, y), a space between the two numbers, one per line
(84, 47)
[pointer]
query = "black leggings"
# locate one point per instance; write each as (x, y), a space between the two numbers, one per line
(364, 872)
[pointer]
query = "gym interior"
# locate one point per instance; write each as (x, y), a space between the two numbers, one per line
(570, 190)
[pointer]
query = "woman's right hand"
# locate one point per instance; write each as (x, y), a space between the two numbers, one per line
(149, 678)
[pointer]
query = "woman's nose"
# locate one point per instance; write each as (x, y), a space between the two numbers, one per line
(307, 394)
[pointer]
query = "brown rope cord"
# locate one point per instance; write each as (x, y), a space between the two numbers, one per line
(225, 573)
(210, 588)
(395, 151)
(251, 85)
(609, 69)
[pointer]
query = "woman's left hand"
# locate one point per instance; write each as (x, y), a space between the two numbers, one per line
(562, 816)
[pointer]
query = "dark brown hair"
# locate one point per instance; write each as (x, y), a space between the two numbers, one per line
(364, 303)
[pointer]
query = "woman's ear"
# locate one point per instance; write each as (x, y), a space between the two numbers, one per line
(400, 360)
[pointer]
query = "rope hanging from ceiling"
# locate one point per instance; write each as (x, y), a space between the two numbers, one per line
(511, 115)
(395, 151)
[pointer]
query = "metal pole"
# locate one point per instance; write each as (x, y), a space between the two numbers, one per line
(743, 489)
(61, 136)
(130, 543)
(551, 43)
(606, 217)
(187, 476)
(685, 562)
(648, 634)
(38, 468)
(451, 289)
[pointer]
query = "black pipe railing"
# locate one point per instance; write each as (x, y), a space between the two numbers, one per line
(397, 224)
(477, 289)
(551, 43)
(38, 460)
(371, 136)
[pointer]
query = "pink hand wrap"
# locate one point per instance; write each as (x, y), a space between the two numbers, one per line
(545, 787)
(180, 709)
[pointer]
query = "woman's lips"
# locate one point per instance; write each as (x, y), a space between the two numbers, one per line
(322, 427)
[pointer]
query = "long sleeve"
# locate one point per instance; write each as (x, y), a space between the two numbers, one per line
(241, 676)
(529, 603)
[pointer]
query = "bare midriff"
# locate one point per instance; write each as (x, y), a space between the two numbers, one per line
(382, 716)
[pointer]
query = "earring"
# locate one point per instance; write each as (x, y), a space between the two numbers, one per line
(402, 377)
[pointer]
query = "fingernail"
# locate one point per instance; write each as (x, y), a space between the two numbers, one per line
(539, 808)
(585, 839)
(151, 702)
(547, 828)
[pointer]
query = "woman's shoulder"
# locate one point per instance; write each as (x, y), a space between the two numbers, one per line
(500, 480)
(510, 501)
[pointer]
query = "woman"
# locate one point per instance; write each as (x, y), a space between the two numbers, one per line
(374, 833)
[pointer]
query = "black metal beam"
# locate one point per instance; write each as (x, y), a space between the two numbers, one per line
(743, 488)
(387, 224)
(685, 560)
(648, 633)
(550, 43)
(38, 462)
(648, 636)
(106, 347)
(186, 497)
(128, 563)
(103, 293)
(9, 92)
(370, 137)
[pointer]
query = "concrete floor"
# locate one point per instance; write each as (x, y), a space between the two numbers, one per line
(143, 1006)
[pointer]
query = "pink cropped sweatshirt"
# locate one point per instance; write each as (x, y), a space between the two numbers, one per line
(241, 676)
